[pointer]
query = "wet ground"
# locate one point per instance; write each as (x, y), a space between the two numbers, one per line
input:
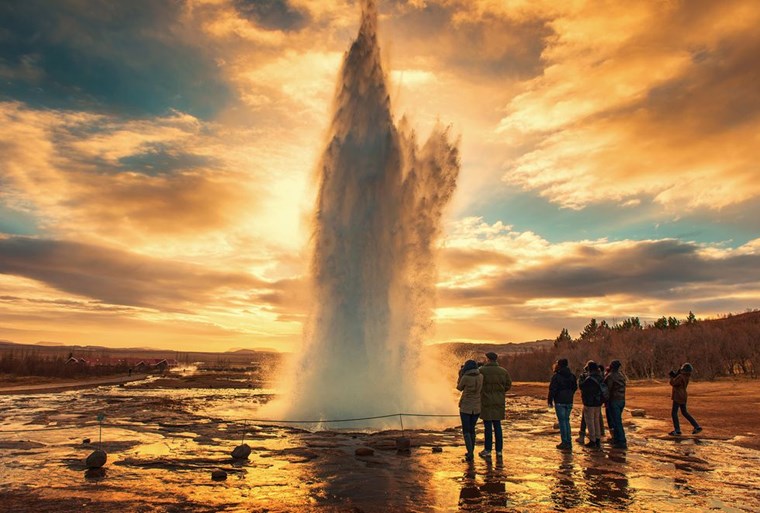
(163, 445)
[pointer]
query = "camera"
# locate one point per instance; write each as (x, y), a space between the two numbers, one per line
(674, 373)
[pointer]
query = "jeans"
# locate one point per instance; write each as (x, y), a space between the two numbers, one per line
(674, 414)
(615, 417)
(469, 420)
(563, 417)
(496, 426)
(609, 415)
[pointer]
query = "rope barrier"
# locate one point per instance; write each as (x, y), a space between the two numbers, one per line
(246, 421)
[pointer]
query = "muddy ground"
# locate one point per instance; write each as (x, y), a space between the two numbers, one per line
(164, 441)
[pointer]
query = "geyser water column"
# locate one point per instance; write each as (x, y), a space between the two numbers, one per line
(376, 223)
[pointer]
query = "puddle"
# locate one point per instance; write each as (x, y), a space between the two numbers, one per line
(163, 444)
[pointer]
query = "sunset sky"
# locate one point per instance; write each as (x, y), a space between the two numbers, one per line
(157, 162)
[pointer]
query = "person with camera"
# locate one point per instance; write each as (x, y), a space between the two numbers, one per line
(679, 380)
(470, 384)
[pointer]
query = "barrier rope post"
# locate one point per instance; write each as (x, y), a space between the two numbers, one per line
(401, 419)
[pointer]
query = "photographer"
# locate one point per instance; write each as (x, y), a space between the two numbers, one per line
(679, 380)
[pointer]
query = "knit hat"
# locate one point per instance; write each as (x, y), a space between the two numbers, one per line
(686, 367)
(492, 356)
(470, 365)
(615, 364)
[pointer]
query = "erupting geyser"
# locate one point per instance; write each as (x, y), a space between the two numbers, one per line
(376, 223)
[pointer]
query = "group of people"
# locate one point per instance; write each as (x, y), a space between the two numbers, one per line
(599, 388)
(484, 388)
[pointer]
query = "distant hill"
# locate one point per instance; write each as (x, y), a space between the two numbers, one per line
(479, 349)
(239, 357)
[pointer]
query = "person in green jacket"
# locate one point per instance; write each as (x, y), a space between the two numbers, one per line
(496, 382)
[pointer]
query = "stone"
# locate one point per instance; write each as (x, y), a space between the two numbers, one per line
(219, 475)
(97, 459)
(403, 444)
(437, 449)
(241, 452)
(638, 412)
(556, 425)
(86, 441)
(364, 451)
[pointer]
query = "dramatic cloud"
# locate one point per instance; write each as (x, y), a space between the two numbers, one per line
(115, 277)
(655, 99)
(564, 284)
(134, 58)
(157, 161)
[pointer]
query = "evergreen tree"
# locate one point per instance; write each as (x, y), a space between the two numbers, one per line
(563, 340)
(590, 330)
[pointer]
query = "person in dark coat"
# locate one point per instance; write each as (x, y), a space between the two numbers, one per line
(591, 394)
(582, 431)
(561, 391)
(679, 380)
(616, 382)
(496, 382)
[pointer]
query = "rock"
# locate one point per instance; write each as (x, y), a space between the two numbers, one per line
(241, 452)
(403, 444)
(556, 425)
(437, 449)
(364, 451)
(97, 459)
(219, 475)
(638, 412)
(86, 441)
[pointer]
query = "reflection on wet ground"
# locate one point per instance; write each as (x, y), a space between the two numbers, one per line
(163, 445)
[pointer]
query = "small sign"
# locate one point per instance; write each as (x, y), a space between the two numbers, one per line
(101, 416)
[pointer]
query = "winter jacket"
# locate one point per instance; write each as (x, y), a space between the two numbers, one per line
(616, 382)
(679, 382)
(471, 384)
(562, 387)
(591, 390)
(496, 382)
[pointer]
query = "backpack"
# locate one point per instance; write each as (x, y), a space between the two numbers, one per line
(595, 390)
(605, 391)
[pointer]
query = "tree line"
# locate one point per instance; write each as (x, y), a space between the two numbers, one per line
(34, 363)
(729, 346)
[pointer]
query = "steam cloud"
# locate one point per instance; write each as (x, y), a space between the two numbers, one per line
(376, 223)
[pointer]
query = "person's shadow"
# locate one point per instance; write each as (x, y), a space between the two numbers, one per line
(565, 493)
(492, 491)
(607, 486)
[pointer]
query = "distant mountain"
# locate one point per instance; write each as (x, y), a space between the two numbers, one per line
(252, 351)
(479, 349)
